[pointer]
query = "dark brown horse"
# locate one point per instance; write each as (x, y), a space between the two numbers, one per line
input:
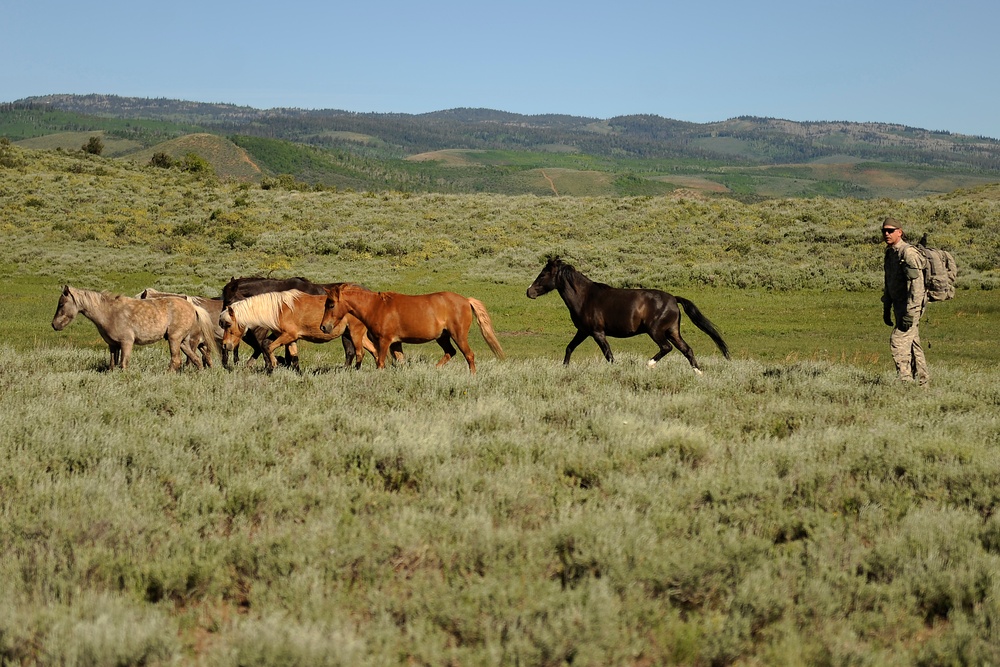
(402, 318)
(599, 311)
(238, 289)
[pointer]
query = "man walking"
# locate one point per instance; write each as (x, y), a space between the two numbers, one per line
(904, 299)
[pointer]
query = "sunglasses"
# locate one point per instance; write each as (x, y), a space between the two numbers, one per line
(890, 230)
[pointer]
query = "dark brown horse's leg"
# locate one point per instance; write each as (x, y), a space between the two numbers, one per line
(573, 344)
(350, 350)
(602, 342)
(687, 352)
(665, 348)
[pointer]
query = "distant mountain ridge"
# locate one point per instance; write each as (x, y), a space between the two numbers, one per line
(641, 152)
(810, 139)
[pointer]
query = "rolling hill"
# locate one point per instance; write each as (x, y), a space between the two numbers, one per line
(484, 150)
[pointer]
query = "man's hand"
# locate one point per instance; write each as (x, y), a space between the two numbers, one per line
(887, 314)
(905, 322)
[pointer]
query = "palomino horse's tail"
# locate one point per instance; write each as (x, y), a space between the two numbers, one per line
(704, 324)
(207, 328)
(486, 327)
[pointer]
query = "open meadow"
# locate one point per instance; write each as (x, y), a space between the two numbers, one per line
(793, 505)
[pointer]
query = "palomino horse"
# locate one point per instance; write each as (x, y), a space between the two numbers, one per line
(402, 318)
(599, 310)
(238, 289)
(214, 308)
(294, 315)
(124, 322)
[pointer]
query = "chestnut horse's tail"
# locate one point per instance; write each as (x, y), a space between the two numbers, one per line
(486, 327)
(704, 324)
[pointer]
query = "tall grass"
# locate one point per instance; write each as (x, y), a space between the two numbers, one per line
(794, 505)
(533, 514)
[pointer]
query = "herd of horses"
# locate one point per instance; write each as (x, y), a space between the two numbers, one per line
(268, 313)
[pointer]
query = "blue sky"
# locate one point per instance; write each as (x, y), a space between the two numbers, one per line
(933, 65)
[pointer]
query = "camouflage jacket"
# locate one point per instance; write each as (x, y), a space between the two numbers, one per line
(904, 278)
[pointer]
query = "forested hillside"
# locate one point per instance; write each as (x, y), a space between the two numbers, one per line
(509, 153)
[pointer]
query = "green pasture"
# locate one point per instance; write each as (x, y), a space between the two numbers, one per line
(793, 505)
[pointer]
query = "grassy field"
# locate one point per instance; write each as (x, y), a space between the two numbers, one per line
(792, 506)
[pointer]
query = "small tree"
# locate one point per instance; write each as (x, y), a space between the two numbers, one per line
(161, 160)
(94, 146)
(196, 164)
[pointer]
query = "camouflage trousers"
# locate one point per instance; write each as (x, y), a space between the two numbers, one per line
(909, 355)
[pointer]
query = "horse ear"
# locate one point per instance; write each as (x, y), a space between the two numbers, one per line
(65, 290)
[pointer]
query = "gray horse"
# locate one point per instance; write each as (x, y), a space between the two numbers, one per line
(124, 322)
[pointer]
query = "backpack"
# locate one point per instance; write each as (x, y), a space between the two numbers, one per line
(939, 273)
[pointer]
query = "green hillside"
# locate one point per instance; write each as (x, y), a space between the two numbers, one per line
(483, 150)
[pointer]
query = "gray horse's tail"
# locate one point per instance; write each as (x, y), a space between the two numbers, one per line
(704, 324)
(207, 328)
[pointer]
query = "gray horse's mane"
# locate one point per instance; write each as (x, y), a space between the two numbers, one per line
(93, 299)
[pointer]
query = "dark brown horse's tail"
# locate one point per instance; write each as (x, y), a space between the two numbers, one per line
(486, 327)
(704, 324)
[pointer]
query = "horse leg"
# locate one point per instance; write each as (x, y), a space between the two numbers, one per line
(397, 353)
(251, 339)
(665, 348)
(177, 345)
(602, 342)
(291, 351)
(383, 351)
(449, 350)
(573, 344)
(685, 350)
(190, 352)
(470, 356)
(350, 347)
(124, 353)
(115, 350)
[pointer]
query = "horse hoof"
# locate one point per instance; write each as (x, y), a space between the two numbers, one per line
(651, 363)
(697, 371)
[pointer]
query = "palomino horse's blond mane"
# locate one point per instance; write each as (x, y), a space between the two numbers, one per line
(262, 310)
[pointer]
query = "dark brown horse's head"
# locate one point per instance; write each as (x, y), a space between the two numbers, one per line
(549, 279)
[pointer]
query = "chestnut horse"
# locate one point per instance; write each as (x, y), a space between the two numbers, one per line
(124, 322)
(294, 315)
(599, 310)
(394, 318)
(238, 289)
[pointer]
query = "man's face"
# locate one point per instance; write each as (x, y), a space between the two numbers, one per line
(891, 234)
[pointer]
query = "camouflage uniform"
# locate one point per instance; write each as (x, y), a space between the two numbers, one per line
(904, 293)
